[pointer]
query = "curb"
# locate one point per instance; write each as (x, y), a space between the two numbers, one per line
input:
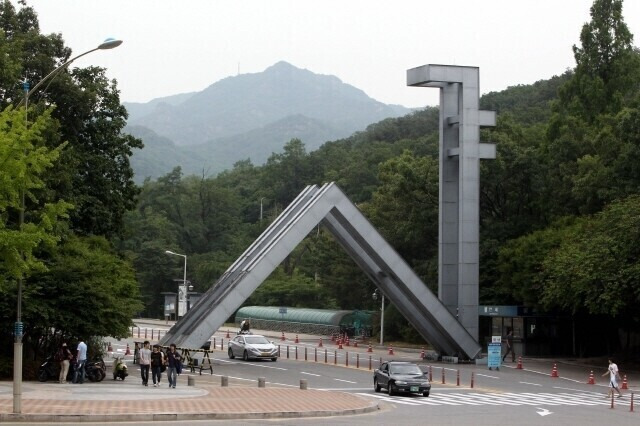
(85, 418)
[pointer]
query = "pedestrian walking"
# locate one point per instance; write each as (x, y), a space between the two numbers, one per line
(173, 363)
(81, 357)
(63, 356)
(509, 340)
(145, 363)
(614, 375)
(157, 362)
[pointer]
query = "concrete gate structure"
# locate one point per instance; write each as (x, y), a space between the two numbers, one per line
(450, 322)
(459, 196)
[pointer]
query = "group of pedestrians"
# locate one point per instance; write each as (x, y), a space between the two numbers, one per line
(158, 361)
(67, 359)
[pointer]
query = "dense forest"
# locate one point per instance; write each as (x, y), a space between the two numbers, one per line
(560, 205)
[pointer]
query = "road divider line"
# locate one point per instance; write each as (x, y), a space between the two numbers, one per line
(346, 381)
(310, 374)
(486, 375)
(532, 384)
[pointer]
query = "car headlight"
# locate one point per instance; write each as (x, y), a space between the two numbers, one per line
(426, 383)
(400, 382)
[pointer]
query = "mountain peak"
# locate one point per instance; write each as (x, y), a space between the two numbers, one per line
(281, 65)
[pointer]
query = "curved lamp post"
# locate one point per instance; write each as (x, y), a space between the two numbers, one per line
(375, 297)
(17, 346)
(181, 308)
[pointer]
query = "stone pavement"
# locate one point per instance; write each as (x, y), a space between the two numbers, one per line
(129, 401)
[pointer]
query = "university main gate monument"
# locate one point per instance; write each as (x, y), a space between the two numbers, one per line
(459, 195)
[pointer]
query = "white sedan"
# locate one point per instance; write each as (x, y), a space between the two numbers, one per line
(250, 346)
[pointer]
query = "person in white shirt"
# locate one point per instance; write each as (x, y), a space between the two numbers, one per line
(613, 378)
(145, 363)
(81, 357)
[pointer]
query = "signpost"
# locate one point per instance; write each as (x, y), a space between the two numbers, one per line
(494, 353)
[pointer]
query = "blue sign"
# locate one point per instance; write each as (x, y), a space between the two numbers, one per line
(494, 355)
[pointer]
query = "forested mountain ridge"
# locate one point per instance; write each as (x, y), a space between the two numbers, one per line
(250, 116)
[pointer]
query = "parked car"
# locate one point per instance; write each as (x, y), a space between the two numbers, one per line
(252, 346)
(401, 377)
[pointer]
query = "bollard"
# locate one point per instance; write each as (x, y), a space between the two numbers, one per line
(631, 404)
(431, 373)
(346, 359)
(152, 334)
(279, 350)
(138, 331)
(296, 353)
(214, 343)
(224, 381)
(303, 384)
(222, 344)
(287, 351)
(145, 332)
(472, 380)
(261, 382)
(369, 362)
(305, 353)
(458, 378)
(131, 331)
(191, 381)
(315, 354)
(443, 375)
(380, 363)
(357, 360)
(611, 398)
(325, 356)
(335, 357)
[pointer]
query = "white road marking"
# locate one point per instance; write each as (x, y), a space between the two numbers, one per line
(346, 381)
(310, 374)
(486, 375)
(576, 390)
(532, 384)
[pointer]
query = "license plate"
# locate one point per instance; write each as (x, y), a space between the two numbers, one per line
(414, 388)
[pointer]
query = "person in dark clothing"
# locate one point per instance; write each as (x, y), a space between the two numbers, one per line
(157, 360)
(173, 363)
(510, 350)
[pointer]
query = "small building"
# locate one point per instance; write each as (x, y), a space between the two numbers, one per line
(171, 301)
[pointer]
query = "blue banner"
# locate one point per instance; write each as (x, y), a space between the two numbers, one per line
(494, 355)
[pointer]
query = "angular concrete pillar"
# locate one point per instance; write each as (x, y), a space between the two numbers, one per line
(459, 199)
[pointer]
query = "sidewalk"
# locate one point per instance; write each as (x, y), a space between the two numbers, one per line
(109, 401)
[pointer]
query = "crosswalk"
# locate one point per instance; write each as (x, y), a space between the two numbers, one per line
(501, 399)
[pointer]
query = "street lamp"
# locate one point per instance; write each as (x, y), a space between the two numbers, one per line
(18, 327)
(261, 208)
(181, 309)
(375, 297)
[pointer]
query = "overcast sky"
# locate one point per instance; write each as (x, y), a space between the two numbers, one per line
(180, 46)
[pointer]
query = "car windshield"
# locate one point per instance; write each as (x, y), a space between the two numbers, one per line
(405, 369)
(256, 340)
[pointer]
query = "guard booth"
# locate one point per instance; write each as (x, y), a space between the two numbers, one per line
(534, 334)
(171, 302)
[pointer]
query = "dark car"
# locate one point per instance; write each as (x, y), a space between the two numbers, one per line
(401, 377)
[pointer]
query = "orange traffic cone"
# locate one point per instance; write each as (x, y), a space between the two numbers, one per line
(519, 367)
(228, 337)
(422, 354)
(625, 385)
(320, 343)
(554, 371)
(297, 340)
(390, 350)
(348, 341)
(128, 352)
(282, 337)
(339, 343)
(370, 349)
(592, 380)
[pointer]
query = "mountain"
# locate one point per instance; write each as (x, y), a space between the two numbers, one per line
(248, 116)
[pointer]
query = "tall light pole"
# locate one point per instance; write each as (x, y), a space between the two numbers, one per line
(375, 297)
(18, 326)
(261, 208)
(181, 309)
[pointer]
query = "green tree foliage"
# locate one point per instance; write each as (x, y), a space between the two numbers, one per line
(23, 162)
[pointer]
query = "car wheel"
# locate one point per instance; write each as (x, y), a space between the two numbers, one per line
(390, 389)
(376, 386)
(42, 375)
(426, 394)
(274, 359)
(245, 356)
(231, 355)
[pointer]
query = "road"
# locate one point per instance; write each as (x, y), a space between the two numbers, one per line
(527, 396)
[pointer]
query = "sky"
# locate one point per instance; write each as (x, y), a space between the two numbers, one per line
(180, 46)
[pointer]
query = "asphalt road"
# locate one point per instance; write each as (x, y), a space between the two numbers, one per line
(508, 396)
